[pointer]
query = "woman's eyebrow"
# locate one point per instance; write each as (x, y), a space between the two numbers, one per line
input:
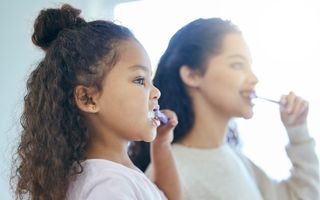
(237, 56)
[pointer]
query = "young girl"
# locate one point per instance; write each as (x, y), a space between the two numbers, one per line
(90, 95)
(205, 77)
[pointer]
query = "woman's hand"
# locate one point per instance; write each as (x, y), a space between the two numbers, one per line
(294, 110)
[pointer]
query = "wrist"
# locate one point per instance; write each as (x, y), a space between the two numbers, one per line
(160, 145)
(298, 134)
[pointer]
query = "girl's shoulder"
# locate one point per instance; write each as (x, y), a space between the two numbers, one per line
(105, 171)
(103, 179)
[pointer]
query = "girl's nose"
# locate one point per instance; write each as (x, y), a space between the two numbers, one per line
(155, 93)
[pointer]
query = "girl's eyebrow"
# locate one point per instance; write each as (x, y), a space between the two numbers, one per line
(140, 67)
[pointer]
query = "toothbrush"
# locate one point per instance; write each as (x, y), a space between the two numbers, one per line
(254, 96)
(164, 119)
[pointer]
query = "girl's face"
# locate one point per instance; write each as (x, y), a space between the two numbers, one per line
(128, 97)
(229, 75)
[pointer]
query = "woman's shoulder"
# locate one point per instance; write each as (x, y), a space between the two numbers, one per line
(185, 151)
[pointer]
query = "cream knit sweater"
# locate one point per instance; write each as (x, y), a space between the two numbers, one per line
(225, 174)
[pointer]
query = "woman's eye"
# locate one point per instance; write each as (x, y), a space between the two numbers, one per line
(237, 65)
(140, 81)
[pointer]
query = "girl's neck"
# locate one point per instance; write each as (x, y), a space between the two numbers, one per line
(209, 128)
(115, 152)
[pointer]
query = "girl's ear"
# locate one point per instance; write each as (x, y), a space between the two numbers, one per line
(86, 99)
(190, 77)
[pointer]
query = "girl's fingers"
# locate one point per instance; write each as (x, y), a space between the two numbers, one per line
(172, 117)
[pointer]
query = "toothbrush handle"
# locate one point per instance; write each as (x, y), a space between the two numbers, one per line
(162, 117)
(271, 100)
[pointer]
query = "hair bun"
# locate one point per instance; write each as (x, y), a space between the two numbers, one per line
(50, 22)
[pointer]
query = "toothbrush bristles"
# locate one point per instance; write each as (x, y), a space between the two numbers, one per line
(266, 99)
(253, 95)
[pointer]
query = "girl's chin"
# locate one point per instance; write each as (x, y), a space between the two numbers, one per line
(152, 135)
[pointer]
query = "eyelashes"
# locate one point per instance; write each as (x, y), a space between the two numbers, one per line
(140, 81)
(237, 65)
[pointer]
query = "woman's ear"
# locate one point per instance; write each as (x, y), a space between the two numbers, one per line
(190, 77)
(86, 99)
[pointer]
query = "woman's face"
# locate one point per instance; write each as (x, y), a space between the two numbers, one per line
(228, 76)
(128, 97)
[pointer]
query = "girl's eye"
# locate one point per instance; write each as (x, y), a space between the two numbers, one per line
(140, 81)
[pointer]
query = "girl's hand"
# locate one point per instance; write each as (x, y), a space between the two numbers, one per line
(295, 110)
(164, 170)
(165, 131)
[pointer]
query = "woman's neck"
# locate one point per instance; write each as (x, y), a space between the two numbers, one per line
(209, 128)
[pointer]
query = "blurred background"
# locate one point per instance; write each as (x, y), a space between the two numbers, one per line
(283, 36)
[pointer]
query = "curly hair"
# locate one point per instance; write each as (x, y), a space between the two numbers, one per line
(54, 136)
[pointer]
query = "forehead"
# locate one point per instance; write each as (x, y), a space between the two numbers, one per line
(132, 53)
(234, 44)
(233, 48)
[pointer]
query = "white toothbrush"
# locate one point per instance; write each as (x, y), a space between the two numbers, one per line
(253, 95)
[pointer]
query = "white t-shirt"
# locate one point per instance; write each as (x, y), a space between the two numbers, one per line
(107, 180)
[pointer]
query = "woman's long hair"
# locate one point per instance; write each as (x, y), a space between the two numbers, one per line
(54, 136)
(190, 46)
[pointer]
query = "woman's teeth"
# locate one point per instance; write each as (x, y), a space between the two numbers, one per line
(249, 94)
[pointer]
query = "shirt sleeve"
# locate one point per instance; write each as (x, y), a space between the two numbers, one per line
(304, 180)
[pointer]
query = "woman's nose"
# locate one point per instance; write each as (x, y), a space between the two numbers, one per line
(253, 78)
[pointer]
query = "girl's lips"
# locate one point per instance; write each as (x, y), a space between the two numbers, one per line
(156, 122)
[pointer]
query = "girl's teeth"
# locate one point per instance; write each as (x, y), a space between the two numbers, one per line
(151, 115)
(156, 122)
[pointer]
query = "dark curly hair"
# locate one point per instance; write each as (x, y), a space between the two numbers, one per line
(54, 136)
(190, 46)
